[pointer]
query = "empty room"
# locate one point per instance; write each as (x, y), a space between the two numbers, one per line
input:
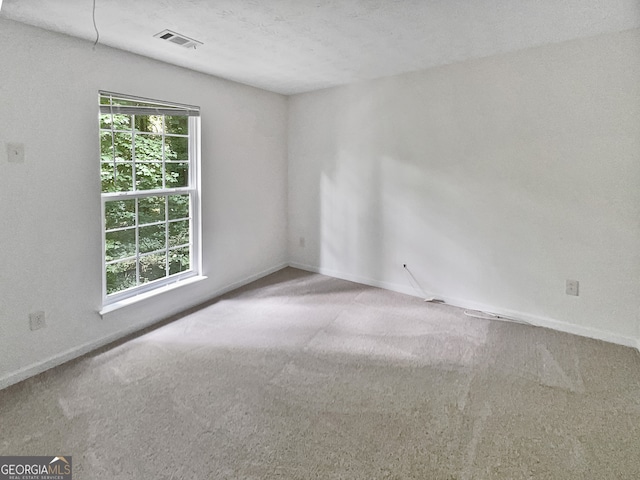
(358, 239)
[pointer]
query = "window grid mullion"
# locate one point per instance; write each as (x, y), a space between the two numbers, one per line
(113, 196)
(120, 260)
(166, 234)
(166, 197)
(182, 245)
(113, 153)
(193, 194)
(164, 157)
(133, 153)
(134, 188)
(151, 224)
(104, 246)
(137, 223)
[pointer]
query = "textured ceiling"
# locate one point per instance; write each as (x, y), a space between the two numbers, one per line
(293, 46)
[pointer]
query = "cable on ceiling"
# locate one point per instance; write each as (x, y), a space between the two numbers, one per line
(95, 26)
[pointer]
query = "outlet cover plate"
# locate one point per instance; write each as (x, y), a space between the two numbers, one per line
(573, 287)
(36, 320)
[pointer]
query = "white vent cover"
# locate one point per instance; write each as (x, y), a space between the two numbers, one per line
(178, 39)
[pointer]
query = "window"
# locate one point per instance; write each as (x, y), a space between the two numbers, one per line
(149, 170)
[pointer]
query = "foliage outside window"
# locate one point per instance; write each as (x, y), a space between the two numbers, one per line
(148, 169)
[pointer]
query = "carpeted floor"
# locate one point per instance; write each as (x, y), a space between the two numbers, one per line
(301, 376)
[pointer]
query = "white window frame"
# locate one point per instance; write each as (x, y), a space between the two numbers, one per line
(193, 189)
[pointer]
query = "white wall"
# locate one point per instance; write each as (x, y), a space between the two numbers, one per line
(494, 180)
(50, 206)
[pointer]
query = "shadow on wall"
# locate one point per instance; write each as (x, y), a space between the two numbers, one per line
(465, 181)
(401, 186)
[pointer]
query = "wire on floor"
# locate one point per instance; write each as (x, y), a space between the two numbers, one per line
(416, 286)
(493, 316)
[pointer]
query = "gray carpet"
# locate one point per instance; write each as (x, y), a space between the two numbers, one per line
(302, 376)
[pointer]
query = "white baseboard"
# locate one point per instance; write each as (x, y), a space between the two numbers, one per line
(251, 278)
(356, 278)
(538, 321)
(78, 351)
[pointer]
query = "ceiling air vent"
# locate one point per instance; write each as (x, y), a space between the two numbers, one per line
(178, 39)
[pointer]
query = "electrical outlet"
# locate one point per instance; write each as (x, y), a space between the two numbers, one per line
(15, 152)
(36, 320)
(573, 287)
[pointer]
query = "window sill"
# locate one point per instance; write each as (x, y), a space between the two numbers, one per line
(112, 307)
